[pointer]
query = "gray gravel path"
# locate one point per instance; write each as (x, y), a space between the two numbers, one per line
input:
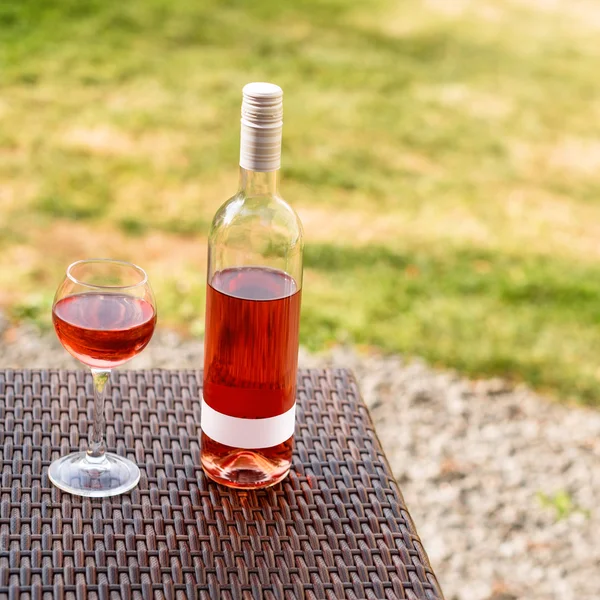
(503, 485)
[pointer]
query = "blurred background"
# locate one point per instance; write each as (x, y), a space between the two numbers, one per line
(444, 156)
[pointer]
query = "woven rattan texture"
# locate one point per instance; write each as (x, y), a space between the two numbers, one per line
(337, 527)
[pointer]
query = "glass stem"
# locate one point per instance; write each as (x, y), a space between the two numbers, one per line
(96, 448)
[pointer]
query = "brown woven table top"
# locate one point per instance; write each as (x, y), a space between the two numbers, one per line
(336, 528)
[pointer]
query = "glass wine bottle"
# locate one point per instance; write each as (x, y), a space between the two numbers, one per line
(252, 312)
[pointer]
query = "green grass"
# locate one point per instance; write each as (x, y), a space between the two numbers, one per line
(478, 311)
(445, 158)
(562, 504)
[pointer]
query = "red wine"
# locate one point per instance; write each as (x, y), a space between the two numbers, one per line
(104, 330)
(250, 364)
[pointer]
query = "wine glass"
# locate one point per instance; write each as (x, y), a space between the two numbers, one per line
(104, 314)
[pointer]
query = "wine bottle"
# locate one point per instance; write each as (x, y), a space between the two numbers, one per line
(252, 312)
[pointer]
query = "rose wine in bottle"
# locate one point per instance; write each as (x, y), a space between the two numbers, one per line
(252, 312)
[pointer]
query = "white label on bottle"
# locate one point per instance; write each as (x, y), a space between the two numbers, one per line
(247, 433)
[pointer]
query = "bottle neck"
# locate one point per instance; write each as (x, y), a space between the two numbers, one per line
(256, 183)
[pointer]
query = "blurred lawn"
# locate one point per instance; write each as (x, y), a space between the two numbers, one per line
(444, 157)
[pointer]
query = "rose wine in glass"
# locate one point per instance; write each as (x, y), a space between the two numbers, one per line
(104, 314)
(252, 313)
(103, 330)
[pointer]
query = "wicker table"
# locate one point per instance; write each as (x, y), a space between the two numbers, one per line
(337, 527)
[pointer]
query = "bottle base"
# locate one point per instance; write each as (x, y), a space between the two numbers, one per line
(245, 470)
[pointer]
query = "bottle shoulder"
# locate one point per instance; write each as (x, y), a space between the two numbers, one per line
(258, 212)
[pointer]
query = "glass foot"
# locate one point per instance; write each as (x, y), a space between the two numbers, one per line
(82, 475)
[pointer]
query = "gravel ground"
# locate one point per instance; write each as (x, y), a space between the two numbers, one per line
(503, 485)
